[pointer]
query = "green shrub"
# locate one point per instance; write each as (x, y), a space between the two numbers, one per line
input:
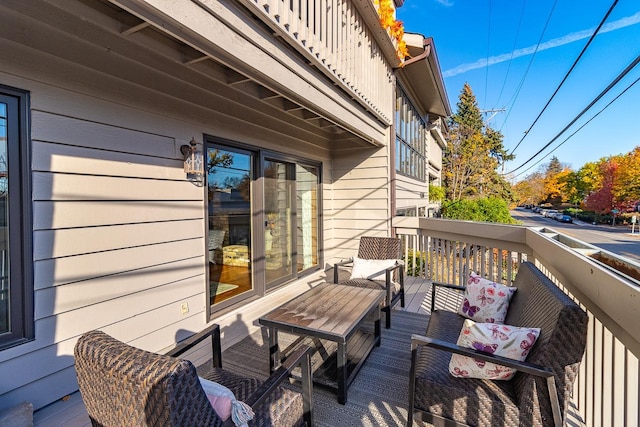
(573, 211)
(419, 269)
(490, 209)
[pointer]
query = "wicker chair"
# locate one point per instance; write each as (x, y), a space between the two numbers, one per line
(539, 393)
(126, 386)
(393, 284)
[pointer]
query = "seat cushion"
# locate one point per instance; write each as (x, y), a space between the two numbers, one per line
(283, 407)
(466, 400)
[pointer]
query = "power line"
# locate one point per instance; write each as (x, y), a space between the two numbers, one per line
(606, 16)
(580, 128)
(513, 49)
(513, 99)
(486, 74)
(597, 98)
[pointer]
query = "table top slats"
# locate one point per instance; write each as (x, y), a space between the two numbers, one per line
(306, 305)
(331, 309)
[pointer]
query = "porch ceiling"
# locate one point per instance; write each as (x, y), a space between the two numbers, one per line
(199, 54)
(104, 37)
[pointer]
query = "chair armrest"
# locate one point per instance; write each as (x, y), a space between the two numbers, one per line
(448, 285)
(340, 264)
(213, 332)
(529, 368)
(442, 285)
(302, 357)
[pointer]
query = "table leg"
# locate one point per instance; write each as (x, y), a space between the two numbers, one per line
(376, 325)
(274, 350)
(342, 372)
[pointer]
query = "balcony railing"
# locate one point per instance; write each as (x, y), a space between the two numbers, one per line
(342, 38)
(606, 391)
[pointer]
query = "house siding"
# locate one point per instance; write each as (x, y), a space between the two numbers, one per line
(119, 233)
(361, 199)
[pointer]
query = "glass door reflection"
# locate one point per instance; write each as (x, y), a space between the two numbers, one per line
(229, 177)
(278, 242)
(307, 216)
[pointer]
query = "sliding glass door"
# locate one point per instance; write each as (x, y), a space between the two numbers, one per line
(263, 212)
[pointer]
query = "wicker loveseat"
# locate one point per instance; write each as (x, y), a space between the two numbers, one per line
(125, 386)
(539, 393)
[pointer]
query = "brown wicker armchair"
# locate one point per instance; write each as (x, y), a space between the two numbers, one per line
(539, 393)
(125, 386)
(393, 284)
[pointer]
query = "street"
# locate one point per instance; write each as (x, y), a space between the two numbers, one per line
(617, 240)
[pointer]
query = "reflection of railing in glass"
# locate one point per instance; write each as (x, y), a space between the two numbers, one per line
(4, 288)
(4, 254)
(4, 182)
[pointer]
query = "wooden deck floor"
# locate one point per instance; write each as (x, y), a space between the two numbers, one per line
(70, 411)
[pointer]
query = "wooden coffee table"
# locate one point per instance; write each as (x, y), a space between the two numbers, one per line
(336, 313)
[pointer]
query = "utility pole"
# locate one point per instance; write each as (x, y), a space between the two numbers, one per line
(488, 119)
(494, 112)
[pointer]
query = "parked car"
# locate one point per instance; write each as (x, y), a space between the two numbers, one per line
(550, 213)
(564, 218)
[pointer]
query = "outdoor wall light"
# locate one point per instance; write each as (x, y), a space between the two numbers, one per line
(193, 161)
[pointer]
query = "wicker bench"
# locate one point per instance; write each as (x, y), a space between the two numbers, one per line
(539, 393)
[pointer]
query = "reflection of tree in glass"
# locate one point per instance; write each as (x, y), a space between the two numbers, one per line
(216, 159)
(244, 187)
(241, 184)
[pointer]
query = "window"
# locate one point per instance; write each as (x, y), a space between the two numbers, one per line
(410, 139)
(16, 259)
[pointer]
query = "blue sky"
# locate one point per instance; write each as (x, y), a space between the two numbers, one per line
(514, 55)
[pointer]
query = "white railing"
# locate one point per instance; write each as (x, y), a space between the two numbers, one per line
(606, 390)
(343, 38)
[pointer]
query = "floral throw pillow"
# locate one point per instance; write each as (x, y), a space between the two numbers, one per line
(485, 301)
(503, 340)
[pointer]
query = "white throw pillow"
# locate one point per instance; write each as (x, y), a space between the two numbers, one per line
(503, 340)
(485, 301)
(364, 268)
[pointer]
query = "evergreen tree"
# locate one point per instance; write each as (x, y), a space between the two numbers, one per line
(554, 167)
(474, 152)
